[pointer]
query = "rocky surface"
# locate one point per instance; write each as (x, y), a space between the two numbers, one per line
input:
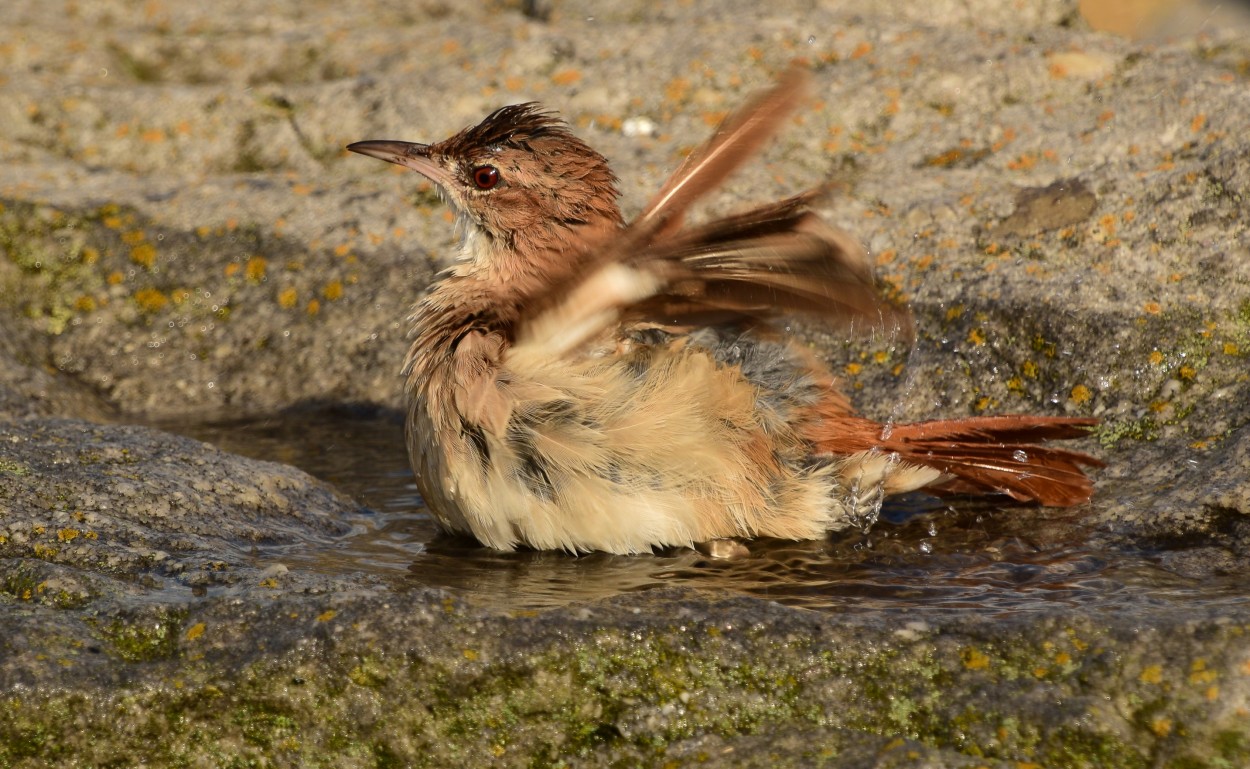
(182, 234)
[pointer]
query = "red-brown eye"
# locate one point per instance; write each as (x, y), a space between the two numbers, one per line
(485, 177)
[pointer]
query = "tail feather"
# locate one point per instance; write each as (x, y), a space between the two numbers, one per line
(1001, 454)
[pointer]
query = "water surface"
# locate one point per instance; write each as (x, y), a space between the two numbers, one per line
(958, 555)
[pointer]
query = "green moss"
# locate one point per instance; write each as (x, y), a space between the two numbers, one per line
(631, 694)
(144, 638)
(368, 673)
(46, 245)
(1243, 313)
(1110, 432)
(9, 467)
(265, 725)
(59, 267)
(1084, 748)
(28, 585)
(22, 585)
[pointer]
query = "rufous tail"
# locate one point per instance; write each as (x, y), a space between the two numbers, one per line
(1003, 454)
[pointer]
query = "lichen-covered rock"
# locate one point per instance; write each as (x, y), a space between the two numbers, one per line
(181, 233)
(665, 678)
(94, 511)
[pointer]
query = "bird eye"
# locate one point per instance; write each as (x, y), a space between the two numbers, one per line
(485, 177)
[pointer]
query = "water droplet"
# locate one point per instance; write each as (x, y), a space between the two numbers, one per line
(811, 40)
(926, 548)
(1020, 455)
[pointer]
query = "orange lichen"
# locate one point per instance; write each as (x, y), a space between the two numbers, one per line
(677, 90)
(143, 254)
(1024, 162)
(255, 269)
(974, 659)
(150, 300)
(1009, 135)
(714, 117)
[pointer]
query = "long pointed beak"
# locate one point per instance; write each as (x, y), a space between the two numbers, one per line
(406, 154)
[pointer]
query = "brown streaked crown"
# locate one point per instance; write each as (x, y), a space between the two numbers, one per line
(513, 126)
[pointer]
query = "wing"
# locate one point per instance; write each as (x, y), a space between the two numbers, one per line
(746, 268)
(737, 140)
(750, 267)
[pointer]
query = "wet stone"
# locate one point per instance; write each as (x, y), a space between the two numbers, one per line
(187, 252)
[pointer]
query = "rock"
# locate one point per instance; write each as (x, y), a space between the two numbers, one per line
(123, 511)
(183, 236)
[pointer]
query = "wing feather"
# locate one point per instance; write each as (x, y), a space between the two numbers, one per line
(747, 268)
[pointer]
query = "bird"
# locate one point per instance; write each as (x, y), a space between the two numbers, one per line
(579, 383)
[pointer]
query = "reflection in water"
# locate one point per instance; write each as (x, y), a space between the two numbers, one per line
(961, 555)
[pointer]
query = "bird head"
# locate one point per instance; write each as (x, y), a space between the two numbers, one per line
(519, 182)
